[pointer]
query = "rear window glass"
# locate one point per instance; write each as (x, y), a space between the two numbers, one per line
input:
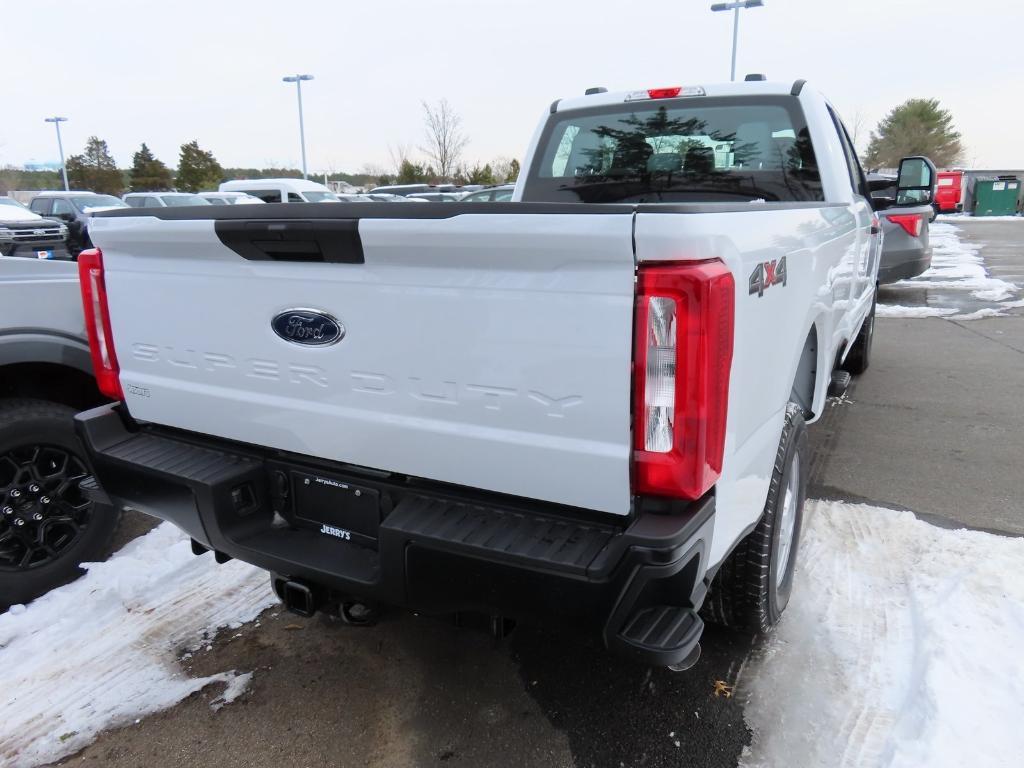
(679, 151)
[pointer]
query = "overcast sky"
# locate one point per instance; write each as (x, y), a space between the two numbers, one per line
(169, 72)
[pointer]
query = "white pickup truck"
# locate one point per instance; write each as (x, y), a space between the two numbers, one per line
(585, 404)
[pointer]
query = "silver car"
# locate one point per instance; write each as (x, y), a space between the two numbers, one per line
(906, 251)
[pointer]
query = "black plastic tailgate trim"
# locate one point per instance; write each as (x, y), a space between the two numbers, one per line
(333, 241)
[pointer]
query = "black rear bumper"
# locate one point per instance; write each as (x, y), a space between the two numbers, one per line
(399, 541)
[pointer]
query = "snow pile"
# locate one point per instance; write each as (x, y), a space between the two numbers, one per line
(102, 651)
(897, 310)
(958, 217)
(957, 265)
(901, 648)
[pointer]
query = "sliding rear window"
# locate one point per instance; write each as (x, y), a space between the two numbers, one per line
(697, 150)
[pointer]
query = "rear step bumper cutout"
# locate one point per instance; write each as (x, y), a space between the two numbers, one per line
(639, 582)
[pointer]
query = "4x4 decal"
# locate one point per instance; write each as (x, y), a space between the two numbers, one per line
(766, 274)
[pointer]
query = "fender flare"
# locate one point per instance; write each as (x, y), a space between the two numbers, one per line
(37, 345)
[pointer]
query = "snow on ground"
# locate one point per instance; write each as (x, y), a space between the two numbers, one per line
(955, 217)
(898, 310)
(957, 266)
(103, 650)
(901, 648)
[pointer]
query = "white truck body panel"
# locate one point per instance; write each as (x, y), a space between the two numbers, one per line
(488, 351)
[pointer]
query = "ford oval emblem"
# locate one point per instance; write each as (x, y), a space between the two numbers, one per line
(309, 327)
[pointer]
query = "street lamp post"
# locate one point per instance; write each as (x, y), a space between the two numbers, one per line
(735, 8)
(297, 79)
(60, 148)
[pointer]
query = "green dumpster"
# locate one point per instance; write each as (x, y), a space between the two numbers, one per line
(997, 197)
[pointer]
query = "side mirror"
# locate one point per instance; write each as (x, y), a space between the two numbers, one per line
(915, 183)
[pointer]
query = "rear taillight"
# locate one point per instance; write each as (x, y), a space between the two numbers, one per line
(911, 222)
(97, 323)
(683, 355)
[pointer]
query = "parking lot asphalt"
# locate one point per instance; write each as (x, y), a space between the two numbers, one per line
(935, 426)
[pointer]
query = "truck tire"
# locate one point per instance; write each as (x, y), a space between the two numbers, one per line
(47, 527)
(859, 358)
(752, 588)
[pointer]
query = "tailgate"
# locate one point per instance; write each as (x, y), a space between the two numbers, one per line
(491, 350)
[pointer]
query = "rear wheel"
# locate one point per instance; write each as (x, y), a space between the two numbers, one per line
(859, 358)
(752, 588)
(47, 526)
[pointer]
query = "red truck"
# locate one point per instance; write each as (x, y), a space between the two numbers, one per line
(949, 192)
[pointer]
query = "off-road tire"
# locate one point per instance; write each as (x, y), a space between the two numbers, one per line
(746, 594)
(27, 422)
(859, 358)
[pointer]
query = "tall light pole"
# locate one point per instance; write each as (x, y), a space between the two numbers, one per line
(60, 147)
(735, 8)
(297, 79)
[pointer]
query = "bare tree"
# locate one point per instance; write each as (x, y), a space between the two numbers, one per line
(400, 155)
(857, 131)
(445, 140)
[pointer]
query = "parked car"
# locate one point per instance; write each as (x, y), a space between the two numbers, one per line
(588, 407)
(74, 209)
(435, 197)
(163, 199)
(230, 198)
(24, 233)
(412, 189)
(949, 192)
(498, 194)
(384, 197)
(47, 526)
(906, 250)
(281, 190)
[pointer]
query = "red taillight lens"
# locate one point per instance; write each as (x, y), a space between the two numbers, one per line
(97, 323)
(911, 222)
(683, 356)
(664, 93)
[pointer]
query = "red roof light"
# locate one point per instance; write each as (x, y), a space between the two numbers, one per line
(664, 93)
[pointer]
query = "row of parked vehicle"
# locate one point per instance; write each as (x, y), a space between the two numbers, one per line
(55, 224)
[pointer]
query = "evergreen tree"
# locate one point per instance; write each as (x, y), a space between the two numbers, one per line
(197, 169)
(95, 169)
(915, 127)
(148, 174)
(413, 173)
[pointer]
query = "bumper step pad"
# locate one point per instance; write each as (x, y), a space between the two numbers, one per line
(662, 628)
(510, 536)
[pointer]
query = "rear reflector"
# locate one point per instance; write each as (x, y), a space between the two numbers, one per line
(683, 356)
(97, 323)
(911, 222)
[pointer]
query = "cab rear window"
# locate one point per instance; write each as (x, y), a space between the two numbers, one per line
(677, 151)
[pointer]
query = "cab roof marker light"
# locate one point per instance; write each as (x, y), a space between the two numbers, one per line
(666, 93)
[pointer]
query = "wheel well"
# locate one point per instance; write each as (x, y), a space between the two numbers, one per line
(806, 375)
(50, 381)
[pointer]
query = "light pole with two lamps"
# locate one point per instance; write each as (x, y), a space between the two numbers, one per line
(735, 8)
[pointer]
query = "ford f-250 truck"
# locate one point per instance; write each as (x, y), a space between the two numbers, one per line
(585, 404)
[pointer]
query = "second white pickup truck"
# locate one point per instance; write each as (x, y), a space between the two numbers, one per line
(586, 404)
